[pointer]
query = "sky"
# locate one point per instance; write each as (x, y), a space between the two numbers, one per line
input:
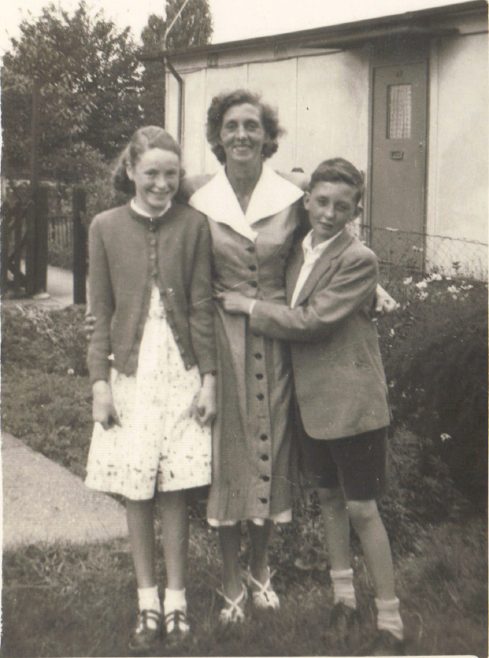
(233, 19)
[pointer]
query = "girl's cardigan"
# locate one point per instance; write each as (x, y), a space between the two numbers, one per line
(127, 252)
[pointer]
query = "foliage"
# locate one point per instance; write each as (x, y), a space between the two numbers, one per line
(193, 28)
(88, 77)
(435, 355)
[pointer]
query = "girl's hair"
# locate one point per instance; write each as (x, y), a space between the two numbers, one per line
(148, 137)
(220, 105)
(338, 170)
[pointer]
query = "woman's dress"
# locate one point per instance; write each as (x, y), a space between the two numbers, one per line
(251, 453)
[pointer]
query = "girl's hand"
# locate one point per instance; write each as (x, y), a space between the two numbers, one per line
(205, 404)
(235, 302)
(103, 410)
(384, 303)
(89, 325)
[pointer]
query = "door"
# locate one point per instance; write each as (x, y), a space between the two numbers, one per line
(398, 163)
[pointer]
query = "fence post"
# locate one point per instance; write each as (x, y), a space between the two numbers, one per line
(41, 239)
(79, 247)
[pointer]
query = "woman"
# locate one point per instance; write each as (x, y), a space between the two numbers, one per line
(253, 214)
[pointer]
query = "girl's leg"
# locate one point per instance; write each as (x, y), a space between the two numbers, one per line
(260, 536)
(175, 537)
(142, 540)
(230, 541)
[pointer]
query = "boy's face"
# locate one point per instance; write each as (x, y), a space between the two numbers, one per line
(330, 207)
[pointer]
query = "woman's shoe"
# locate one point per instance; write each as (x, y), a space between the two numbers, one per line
(263, 594)
(145, 636)
(233, 611)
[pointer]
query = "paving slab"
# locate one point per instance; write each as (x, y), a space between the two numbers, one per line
(45, 503)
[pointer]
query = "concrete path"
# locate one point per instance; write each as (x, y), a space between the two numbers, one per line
(43, 502)
(59, 289)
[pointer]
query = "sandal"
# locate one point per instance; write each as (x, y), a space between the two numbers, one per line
(232, 612)
(176, 624)
(145, 636)
(263, 594)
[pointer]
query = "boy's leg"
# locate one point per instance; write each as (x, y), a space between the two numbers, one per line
(337, 523)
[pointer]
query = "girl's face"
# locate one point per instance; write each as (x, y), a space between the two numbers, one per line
(156, 176)
(242, 134)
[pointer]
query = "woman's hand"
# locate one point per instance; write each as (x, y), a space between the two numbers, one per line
(205, 404)
(89, 325)
(235, 302)
(384, 303)
(103, 409)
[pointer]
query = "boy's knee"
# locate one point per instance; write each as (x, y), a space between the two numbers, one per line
(362, 512)
(331, 497)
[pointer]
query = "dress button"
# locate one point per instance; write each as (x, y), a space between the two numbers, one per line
(265, 478)
(263, 437)
(251, 249)
(254, 284)
(258, 356)
(263, 500)
(259, 375)
(264, 458)
(260, 396)
(252, 268)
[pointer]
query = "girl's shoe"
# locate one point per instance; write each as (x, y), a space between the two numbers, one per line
(176, 625)
(145, 636)
(233, 611)
(263, 594)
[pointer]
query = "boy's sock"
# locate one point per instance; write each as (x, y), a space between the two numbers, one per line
(149, 599)
(389, 618)
(175, 599)
(343, 590)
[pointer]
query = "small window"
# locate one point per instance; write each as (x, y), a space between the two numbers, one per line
(399, 104)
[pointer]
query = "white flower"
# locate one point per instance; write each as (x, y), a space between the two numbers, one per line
(422, 295)
(445, 437)
(70, 371)
(421, 284)
(435, 276)
(453, 290)
(392, 332)
(467, 287)
(407, 280)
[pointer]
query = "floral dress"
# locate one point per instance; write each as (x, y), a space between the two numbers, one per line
(159, 446)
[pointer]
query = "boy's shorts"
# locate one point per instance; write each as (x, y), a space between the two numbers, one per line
(356, 463)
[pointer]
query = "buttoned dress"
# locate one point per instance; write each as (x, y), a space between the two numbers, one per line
(158, 446)
(252, 473)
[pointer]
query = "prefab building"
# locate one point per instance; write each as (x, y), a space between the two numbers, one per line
(403, 97)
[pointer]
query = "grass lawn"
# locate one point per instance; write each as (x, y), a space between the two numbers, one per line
(80, 601)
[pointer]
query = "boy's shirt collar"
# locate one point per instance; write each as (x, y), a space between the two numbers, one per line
(313, 253)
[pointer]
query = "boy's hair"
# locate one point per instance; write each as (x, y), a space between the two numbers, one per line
(338, 170)
(145, 138)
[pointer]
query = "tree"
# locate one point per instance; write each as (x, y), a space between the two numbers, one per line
(89, 79)
(192, 28)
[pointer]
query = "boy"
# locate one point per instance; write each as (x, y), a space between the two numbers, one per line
(340, 386)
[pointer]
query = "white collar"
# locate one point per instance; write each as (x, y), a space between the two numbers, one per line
(315, 252)
(144, 213)
(218, 201)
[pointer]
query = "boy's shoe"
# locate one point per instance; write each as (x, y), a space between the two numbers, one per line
(263, 594)
(233, 611)
(383, 644)
(145, 637)
(345, 623)
(176, 626)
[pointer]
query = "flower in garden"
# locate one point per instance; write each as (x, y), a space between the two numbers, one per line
(466, 287)
(422, 295)
(421, 284)
(407, 280)
(435, 276)
(70, 371)
(445, 437)
(392, 332)
(453, 290)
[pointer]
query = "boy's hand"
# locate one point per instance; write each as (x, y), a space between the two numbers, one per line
(103, 409)
(89, 325)
(235, 302)
(384, 303)
(205, 404)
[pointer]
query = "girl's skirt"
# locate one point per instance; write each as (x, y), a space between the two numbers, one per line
(159, 445)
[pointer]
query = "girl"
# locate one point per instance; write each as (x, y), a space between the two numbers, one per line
(151, 360)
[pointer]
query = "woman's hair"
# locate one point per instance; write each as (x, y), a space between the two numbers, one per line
(220, 105)
(148, 137)
(338, 170)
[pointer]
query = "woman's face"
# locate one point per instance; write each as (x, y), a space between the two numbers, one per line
(242, 134)
(156, 176)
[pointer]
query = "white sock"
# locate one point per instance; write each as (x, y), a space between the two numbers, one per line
(389, 618)
(149, 599)
(175, 599)
(343, 589)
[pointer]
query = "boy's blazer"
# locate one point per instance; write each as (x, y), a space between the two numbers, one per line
(339, 377)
